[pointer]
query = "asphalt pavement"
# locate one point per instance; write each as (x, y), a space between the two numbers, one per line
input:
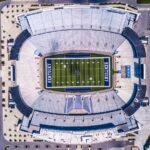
(130, 2)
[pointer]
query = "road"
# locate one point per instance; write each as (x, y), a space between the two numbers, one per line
(3, 142)
(130, 2)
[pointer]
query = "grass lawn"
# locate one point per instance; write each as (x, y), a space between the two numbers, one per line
(143, 1)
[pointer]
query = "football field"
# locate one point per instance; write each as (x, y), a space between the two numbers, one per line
(77, 72)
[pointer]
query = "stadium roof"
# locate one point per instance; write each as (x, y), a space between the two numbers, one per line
(77, 122)
(56, 19)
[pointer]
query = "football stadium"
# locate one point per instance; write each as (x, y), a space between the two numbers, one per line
(77, 73)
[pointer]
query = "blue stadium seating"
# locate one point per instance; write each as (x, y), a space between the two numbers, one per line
(138, 70)
(135, 101)
(78, 89)
(22, 37)
(21, 105)
(76, 55)
(79, 128)
(133, 38)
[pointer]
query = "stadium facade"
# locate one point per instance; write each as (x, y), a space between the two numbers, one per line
(77, 117)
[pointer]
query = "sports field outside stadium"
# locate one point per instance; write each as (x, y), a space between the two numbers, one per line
(77, 70)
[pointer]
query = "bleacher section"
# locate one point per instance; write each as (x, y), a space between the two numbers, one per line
(138, 70)
(93, 18)
(79, 40)
(141, 91)
(106, 102)
(78, 128)
(21, 105)
(138, 47)
(99, 103)
(135, 101)
(22, 37)
(77, 55)
(78, 104)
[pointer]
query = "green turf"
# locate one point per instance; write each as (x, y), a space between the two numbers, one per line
(143, 1)
(62, 78)
(78, 72)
